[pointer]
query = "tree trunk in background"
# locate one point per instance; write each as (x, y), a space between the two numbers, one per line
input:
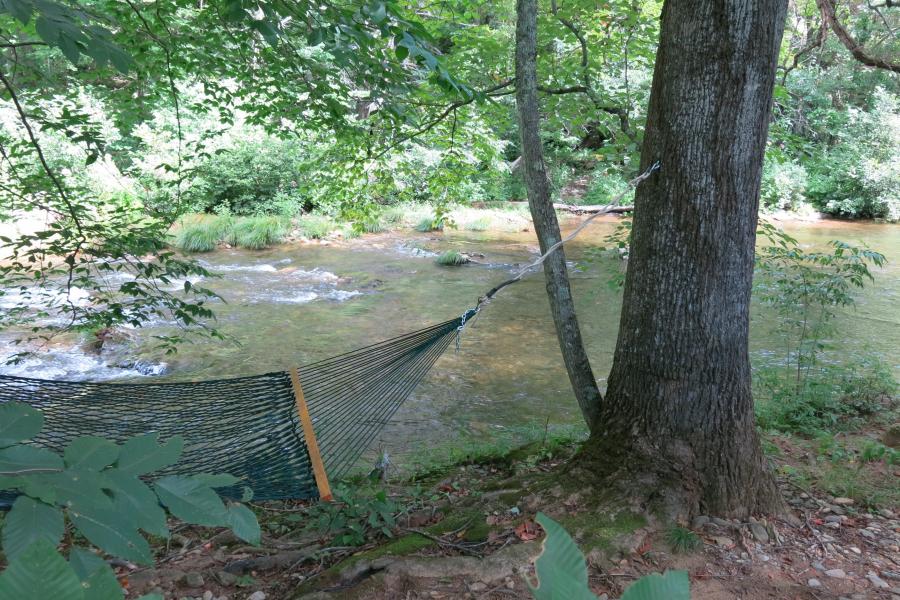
(678, 422)
(545, 224)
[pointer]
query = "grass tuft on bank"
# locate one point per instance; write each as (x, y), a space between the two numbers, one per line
(203, 233)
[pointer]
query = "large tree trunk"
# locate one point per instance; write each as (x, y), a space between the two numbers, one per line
(545, 224)
(678, 419)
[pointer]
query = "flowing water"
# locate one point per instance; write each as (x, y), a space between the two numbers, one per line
(299, 303)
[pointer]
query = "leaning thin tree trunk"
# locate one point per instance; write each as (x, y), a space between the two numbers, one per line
(545, 224)
(677, 422)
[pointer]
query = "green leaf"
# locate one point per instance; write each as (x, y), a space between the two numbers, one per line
(673, 585)
(91, 453)
(28, 522)
(47, 29)
(131, 496)
(97, 577)
(26, 460)
(20, 9)
(40, 573)
(217, 481)
(69, 48)
(243, 522)
(18, 422)
(112, 532)
(120, 60)
(191, 500)
(560, 569)
(143, 454)
(75, 489)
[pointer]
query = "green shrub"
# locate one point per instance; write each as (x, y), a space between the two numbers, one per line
(251, 177)
(682, 540)
(858, 174)
(202, 235)
(783, 185)
(805, 288)
(356, 516)
(451, 258)
(349, 232)
(256, 233)
(429, 224)
(315, 227)
(100, 490)
(393, 215)
(606, 186)
(873, 451)
(374, 225)
(829, 398)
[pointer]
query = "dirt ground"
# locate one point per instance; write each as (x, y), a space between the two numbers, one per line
(470, 534)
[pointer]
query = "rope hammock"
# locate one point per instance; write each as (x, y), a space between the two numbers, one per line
(284, 434)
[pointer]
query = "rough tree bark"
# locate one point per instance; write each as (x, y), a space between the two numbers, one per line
(537, 184)
(677, 423)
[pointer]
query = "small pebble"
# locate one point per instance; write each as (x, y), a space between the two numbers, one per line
(814, 583)
(257, 595)
(836, 573)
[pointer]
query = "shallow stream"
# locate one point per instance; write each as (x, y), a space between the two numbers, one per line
(299, 303)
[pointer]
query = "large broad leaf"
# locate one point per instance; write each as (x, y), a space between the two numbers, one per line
(40, 573)
(217, 481)
(97, 577)
(560, 569)
(191, 500)
(132, 497)
(244, 524)
(18, 422)
(25, 460)
(673, 585)
(143, 454)
(113, 532)
(91, 453)
(76, 489)
(30, 521)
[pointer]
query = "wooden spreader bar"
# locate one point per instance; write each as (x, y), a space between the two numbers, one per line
(312, 446)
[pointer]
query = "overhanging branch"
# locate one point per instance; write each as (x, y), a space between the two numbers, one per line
(855, 48)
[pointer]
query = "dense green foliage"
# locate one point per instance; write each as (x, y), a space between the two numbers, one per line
(801, 392)
(99, 488)
(117, 120)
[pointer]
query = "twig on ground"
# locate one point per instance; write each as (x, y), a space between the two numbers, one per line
(464, 548)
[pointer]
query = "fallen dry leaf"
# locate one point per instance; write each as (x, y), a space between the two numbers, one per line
(527, 531)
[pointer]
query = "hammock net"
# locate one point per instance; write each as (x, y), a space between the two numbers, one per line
(249, 426)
